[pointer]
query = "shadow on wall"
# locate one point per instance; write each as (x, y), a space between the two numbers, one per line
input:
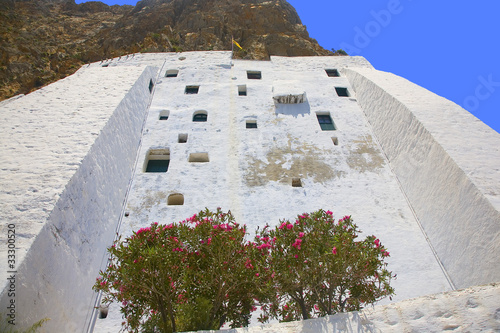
(341, 322)
(295, 109)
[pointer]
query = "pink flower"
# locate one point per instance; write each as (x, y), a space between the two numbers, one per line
(296, 256)
(316, 307)
(334, 250)
(257, 274)
(329, 213)
(297, 243)
(289, 226)
(209, 240)
(301, 234)
(377, 243)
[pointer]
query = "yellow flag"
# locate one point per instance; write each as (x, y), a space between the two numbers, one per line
(236, 43)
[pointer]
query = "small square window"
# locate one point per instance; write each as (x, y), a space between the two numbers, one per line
(326, 123)
(157, 165)
(335, 141)
(198, 158)
(164, 115)
(332, 72)
(157, 160)
(342, 92)
(183, 138)
(190, 90)
(242, 90)
(254, 75)
(296, 182)
(171, 73)
(251, 124)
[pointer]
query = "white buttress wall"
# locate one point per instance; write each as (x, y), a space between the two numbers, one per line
(71, 156)
(448, 164)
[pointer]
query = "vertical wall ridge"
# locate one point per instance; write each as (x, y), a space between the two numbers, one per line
(459, 219)
(55, 278)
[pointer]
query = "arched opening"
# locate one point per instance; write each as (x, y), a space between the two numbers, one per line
(175, 199)
(200, 116)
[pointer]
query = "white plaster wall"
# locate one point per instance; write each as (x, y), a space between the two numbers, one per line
(68, 151)
(448, 163)
(474, 309)
(250, 170)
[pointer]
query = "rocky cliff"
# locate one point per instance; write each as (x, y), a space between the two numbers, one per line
(42, 41)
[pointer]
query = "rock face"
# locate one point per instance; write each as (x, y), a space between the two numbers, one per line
(42, 41)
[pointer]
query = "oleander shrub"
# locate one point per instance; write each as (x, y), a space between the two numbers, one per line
(192, 275)
(318, 266)
(201, 273)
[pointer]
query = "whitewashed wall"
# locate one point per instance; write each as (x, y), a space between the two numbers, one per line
(448, 164)
(66, 165)
(250, 170)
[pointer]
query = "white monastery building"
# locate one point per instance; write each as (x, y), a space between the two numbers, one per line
(158, 137)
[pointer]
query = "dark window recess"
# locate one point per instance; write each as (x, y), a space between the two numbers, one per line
(164, 115)
(342, 92)
(171, 73)
(254, 75)
(326, 123)
(242, 90)
(183, 138)
(192, 89)
(151, 86)
(200, 117)
(332, 72)
(157, 165)
(252, 124)
(296, 182)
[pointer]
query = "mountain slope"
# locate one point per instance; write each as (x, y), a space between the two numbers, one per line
(42, 41)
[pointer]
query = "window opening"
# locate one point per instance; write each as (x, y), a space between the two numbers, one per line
(151, 85)
(164, 115)
(175, 199)
(172, 73)
(242, 90)
(325, 122)
(200, 116)
(342, 92)
(157, 160)
(296, 182)
(254, 75)
(251, 124)
(190, 90)
(183, 138)
(332, 72)
(335, 141)
(198, 158)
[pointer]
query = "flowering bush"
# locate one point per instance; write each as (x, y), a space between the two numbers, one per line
(191, 275)
(317, 267)
(200, 273)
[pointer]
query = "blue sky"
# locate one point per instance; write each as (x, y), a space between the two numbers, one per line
(449, 47)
